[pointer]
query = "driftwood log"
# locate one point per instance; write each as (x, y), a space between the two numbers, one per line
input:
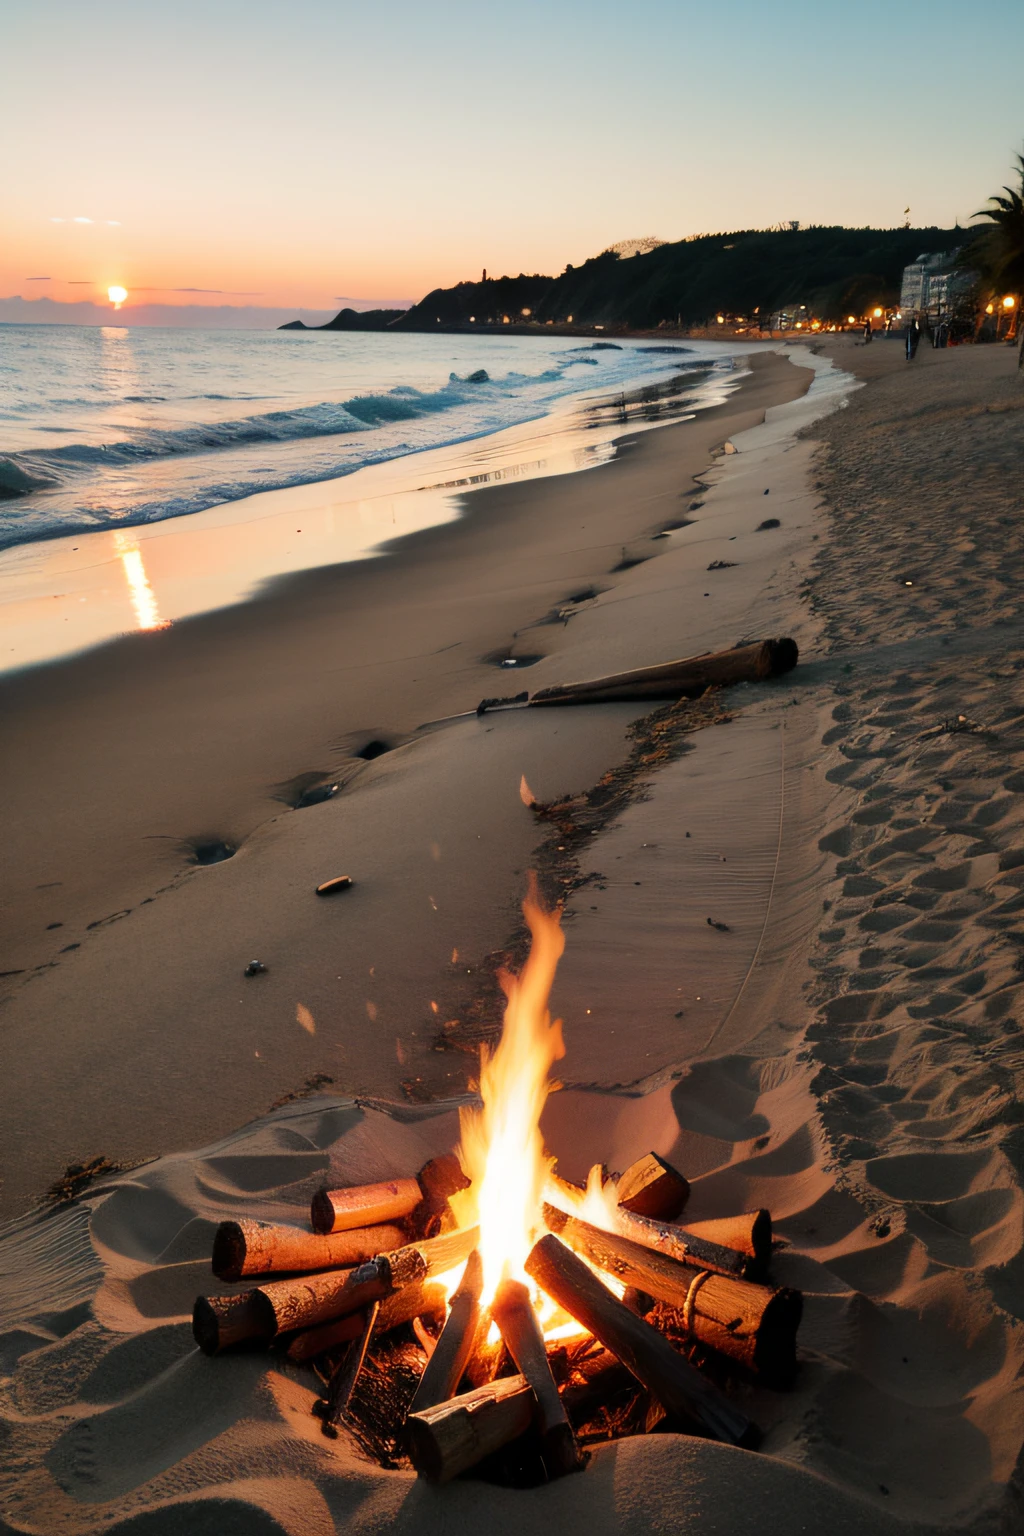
(688, 678)
(752, 1324)
(517, 1322)
(447, 1364)
(666, 1374)
(243, 1248)
(681, 1243)
(420, 1200)
(413, 1301)
(749, 1233)
(451, 1437)
(652, 1187)
(284, 1305)
(662, 1236)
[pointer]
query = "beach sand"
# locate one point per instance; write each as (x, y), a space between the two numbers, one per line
(846, 1053)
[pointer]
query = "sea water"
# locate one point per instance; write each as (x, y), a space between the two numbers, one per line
(110, 427)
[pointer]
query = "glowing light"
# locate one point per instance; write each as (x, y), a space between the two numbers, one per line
(502, 1149)
(878, 314)
(1009, 301)
(851, 319)
(989, 309)
(141, 594)
(117, 295)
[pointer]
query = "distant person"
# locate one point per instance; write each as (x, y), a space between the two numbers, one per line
(913, 336)
(867, 330)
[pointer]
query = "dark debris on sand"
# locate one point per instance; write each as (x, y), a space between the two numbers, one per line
(658, 738)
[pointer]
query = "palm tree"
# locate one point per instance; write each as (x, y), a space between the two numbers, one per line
(997, 251)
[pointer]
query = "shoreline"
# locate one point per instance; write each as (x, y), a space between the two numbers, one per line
(121, 760)
(108, 583)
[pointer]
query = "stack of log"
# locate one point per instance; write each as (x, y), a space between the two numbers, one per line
(457, 1386)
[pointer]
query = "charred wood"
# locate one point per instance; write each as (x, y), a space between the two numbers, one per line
(650, 1357)
(518, 1325)
(453, 1436)
(451, 1354)
(651, 1187)
(752, 1324)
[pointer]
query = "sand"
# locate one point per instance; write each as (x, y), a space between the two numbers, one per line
(845, 1053)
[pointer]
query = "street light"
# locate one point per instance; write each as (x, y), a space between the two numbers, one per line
(1009, 301)
(878, 314)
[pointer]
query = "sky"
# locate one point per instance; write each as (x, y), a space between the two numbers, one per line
(269, 157)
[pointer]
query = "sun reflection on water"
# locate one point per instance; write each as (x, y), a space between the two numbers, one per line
(141, 594)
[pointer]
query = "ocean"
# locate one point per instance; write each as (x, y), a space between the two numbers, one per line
(109, 427)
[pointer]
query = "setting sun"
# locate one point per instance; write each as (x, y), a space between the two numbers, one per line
(117, 295)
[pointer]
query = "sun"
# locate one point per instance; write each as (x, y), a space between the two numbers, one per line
(117, 295)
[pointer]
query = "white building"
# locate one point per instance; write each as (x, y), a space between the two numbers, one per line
(933, 283)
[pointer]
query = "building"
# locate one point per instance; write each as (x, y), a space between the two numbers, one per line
(934, 285)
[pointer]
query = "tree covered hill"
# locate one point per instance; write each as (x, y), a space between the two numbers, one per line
(834, 271)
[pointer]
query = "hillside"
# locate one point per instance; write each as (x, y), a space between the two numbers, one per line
(834, 271)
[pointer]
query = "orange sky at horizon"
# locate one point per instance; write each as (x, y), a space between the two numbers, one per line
(231, 152)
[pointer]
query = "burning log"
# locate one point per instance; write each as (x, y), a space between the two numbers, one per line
(518, 1325)
(662, 1236)
(331, 1409)
(752, 1324)
(413, 1301)
(446, 1366)
(681, 1243)
(651, 1187)
(363, 1205)
(451, 1437)
(284, 1305)
(750, 1234)
(263, 1248)
(665, 1373)
(688, 678)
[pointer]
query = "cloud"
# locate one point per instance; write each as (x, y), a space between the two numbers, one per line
(39, 279)
(80, 218)
(81, 282)
(116, 222)
(231, 293)
(56, 220)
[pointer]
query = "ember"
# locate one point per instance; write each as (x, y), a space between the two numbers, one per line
(566, 1316)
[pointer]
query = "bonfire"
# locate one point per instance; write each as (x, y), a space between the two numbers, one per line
(487, 1317)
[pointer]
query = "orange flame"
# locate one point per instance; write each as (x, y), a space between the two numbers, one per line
(502, 1150)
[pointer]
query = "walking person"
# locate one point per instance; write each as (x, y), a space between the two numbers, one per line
(913, 336)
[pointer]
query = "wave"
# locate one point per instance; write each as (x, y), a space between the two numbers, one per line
(21, 473)
(162, 470)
